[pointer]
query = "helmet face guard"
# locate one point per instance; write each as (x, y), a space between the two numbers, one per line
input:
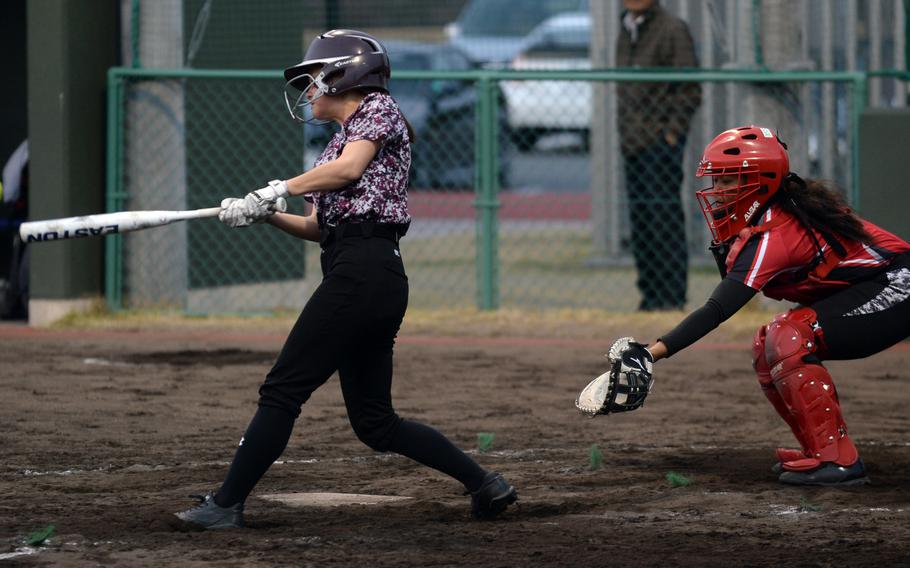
(759, 161)
(729, 208)
(298, 99)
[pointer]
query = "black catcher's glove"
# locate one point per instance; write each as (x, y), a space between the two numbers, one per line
(625, 386)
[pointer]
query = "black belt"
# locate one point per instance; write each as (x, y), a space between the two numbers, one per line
(366, 230)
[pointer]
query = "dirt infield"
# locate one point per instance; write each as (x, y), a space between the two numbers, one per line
(105, 432)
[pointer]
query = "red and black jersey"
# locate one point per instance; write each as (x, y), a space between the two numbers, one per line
(775, 260)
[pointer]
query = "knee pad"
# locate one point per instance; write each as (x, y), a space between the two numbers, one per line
(807, 390)
(759, 361)
(806, 336)
(763, 372)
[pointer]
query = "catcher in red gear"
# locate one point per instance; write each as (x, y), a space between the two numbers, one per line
(796, 240)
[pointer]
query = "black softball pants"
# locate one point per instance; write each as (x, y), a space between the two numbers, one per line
(869, 316)
(348, 325)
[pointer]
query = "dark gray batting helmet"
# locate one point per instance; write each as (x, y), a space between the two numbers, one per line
(336, 62)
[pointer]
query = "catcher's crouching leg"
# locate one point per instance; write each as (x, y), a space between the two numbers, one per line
(807, 390)
(763, 370)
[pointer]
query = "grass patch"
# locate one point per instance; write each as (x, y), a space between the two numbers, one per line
(38, 537)
(485, 441)
(678, 479)
(561, 323)
(595, 458)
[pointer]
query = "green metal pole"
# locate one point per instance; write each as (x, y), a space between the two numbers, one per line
(113, 265)
(135, 14)
(756, 34)
(860, 96)
(907, 45)
(486, 202)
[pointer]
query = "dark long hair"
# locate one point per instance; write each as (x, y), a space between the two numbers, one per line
(822, 206)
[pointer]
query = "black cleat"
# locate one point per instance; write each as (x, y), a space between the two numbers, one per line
(828, 474)
(207, 515)
(493, 497)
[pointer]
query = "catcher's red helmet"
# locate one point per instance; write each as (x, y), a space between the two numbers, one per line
(336, 62)
(759, 158)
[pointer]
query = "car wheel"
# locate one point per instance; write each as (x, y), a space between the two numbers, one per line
(525, 138)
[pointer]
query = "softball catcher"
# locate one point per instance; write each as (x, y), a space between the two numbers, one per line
(791, 239)
(357, 211)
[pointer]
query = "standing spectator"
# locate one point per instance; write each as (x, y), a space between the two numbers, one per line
(653, 123)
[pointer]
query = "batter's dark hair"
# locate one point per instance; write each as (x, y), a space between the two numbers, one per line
(822, 206)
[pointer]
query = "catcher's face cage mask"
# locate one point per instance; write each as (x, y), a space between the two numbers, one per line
(336, 62)
(759, 161)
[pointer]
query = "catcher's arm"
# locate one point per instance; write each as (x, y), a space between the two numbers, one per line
(625, 386)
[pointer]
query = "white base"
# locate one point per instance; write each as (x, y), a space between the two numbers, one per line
(332, 499)
(45, 312)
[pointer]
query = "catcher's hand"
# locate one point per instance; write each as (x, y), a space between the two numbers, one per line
(625, 386)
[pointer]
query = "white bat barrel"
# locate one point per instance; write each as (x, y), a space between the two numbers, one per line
(105, 224)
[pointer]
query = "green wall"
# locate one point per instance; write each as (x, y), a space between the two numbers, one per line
(885, 197)
(71, 44)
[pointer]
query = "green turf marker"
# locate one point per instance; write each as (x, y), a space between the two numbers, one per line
(678, 479)
(38, 537)
(485, 441)
(806, 507)
(595, 457)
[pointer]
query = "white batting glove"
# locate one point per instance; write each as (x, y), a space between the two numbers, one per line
(266, 201)
(234, 212)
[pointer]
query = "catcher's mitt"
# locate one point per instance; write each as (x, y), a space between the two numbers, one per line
(625, 386)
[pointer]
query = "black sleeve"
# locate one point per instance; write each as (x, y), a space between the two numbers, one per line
(729, 296)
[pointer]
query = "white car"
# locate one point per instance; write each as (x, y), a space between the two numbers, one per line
(536, 108)
(491, 32)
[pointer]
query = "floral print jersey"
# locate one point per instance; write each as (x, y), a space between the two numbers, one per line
(381, 193)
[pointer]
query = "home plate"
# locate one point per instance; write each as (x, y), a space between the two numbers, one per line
(332, 499)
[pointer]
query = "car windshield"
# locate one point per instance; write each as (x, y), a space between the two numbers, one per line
(513, 18)
(409, 61)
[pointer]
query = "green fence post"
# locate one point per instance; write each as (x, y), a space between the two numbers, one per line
(113, 270)
(860, 95)
(906, 48)
(487, 202)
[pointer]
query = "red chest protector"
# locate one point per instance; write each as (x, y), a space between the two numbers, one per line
(821, 265)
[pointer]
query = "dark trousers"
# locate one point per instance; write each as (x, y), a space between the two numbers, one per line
(867, 317)
(653, 178)
(348, 325)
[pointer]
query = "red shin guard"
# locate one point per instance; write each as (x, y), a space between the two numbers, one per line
(763, 370)
(806, 391)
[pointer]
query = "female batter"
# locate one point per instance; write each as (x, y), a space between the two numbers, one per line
(358, 191)
(795, 240)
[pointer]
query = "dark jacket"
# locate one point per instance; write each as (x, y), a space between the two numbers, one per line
(647, 111)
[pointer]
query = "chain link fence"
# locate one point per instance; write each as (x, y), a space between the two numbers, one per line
(542, 175)
(587, 208)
